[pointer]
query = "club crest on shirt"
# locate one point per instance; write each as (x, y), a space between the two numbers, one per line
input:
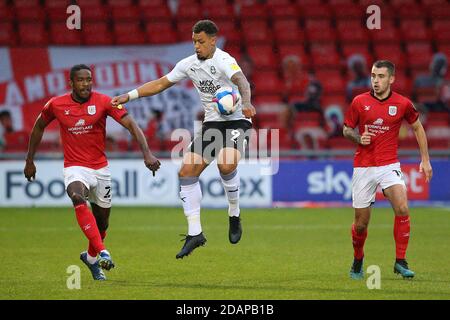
(213, 70)
(92, 110)
(392, 110)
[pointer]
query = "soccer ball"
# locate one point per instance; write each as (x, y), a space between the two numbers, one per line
(226, 99)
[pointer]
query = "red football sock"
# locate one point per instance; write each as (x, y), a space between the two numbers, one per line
(401, 235)
(358, 242)
(91, 249)
(88, 225)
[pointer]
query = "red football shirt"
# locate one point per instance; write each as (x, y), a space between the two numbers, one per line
(383, 118)
(83, 127)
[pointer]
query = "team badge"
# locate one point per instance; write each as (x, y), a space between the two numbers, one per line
(392, 110)
(92, 110)
(213, 70)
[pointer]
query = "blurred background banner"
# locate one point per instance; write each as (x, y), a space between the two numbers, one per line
(330, 182)
(133, 185)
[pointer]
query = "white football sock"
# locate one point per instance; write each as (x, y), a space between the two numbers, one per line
(231, 183)
(191, 196)
(90, 259)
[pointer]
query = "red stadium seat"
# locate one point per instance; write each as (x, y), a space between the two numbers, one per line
(263, 56)
(294, 49)
(253, 12)
(340, 143)
(348, 11)
(419, 54)
(414, 30)
(411, 10)
(152, 3)
(267, 83)
(325, 56)
(441, 31)
(402, 84)
(392, 52)
(7, 34)
(94, 13)
(219, 13)
(152, 13)
(131, 13)
(352, 31)
(286, 11)
(440, 144)
(16, 141)
(184, 30)
(161, 33)
(277, 3)
(349, 49)
(58, 3)
(317, 11)
(96, 33)
(438, 119)
(6, 13)
(120, 3)
(288, 31)
(256, 31)
(332, 82)
(319, 30)
(60, 35)
(387, 34)
(189, 12)
(25, 14)
(32, 34)
(129, 33)
(26, 4)
(440, 11)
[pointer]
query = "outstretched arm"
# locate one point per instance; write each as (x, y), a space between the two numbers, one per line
(150, 160)
(148, 89)
(240, 80)
(35, 139)
(425, 165)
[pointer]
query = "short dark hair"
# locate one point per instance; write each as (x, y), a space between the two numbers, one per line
(209, 27)
(385, 64)
(5, 113)
(77, 68)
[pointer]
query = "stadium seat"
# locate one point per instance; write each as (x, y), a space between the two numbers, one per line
(26, 14)
(7, 34)
(414, 30)
(402, 83)
(319, 30)
(286, 32)
(441, 31)
(286, 11)
(392, 52)
(325, 56)
(409, 143)
(253, 12)
(438, 118)
(184, 30)
(58, 3)
(16, 141)
(387, 34)
(256, 32)
(231, 33)
(348, 11)
(32, 34)
(96, 33)
(120, 3)
(332, 81)
(440, 11)
(161, 33)
(130, 13)
(218, 13)
(6, 13)
(294, 49)
(129, 33)
(156, 13)
(439, 144)
(60, 35)
(350, 48)
(266, 83)
(410, 10)
(188, 11)
(419, 54)
(340, 143)
(314, 11)
(30, 4)
(263, 57)
(428, 3)
(352, 31)
(93, 12)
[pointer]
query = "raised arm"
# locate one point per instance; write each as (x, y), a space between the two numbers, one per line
(151, 162)
(35, 140)
(241, 82)
(148, 89)
(425, 165)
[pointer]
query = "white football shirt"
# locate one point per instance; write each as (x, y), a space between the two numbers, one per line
(208, 76)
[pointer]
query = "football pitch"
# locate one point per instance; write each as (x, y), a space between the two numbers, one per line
(284, 254)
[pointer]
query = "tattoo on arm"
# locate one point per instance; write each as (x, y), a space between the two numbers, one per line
(351, 134)
(240, 80)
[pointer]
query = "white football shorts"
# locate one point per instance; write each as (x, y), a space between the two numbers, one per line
(366, 180)
(98, 183)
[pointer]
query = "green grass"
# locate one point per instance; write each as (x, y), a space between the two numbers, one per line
(284, 254)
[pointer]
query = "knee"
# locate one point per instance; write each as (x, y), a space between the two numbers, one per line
(77, 199)
(402, 210)
(361, 227)
(226, 168)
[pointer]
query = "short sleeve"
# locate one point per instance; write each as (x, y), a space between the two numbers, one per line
(229, 66)
(116, 112)
(411, 113)
(47, 112)
(178, 73)
(352, 115)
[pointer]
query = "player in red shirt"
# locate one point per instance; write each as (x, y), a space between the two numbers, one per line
(81, 115)
(378, 114)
